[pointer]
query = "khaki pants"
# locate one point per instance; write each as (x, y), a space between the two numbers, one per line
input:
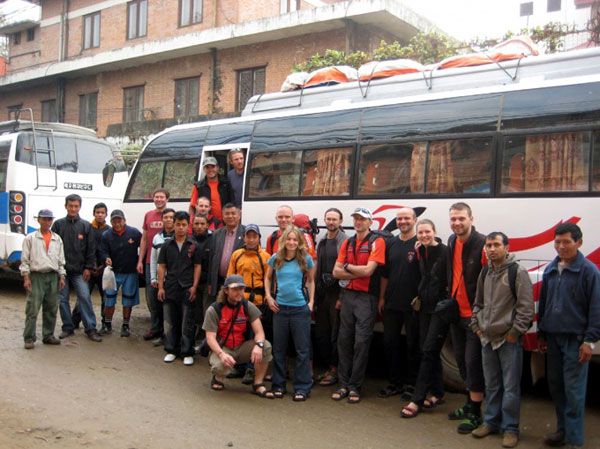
(44, 294)
(241, 354)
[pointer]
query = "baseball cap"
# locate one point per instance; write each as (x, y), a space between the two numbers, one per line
(45, 213)
(252, 227)
(209, 161)
(117, 213)
(234, 281)
(366, 213)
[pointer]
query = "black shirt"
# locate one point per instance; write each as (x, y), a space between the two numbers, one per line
(331, 254)
(402, 271)
(180, 264)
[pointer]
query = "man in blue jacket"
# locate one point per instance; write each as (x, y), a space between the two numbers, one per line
(568, 328)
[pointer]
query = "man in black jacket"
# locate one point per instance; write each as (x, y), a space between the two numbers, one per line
(80, 257)
(217, 188)
(465, 260)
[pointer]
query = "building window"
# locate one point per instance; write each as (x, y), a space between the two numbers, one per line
(30, 34)
(91, 30)
(186, 97)
(286, 6)
(553, 5)
(190, 12)
(137, 14)
(526, 9)
(49, 111)
(88, 110)
(16, 40)
(133, 104)
(250, 82)
(13, 110)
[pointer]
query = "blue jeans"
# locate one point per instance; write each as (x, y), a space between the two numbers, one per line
(567, 381)
(85, 304)
(502, 371)
(294, 321)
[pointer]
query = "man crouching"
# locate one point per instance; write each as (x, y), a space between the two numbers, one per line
(228, 335)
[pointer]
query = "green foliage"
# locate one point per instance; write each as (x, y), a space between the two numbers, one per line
(425, 48)
(331, 58)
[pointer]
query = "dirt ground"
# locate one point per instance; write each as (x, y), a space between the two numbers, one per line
(119, 394)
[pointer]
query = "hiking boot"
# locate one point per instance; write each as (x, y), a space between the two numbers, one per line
(51, 340)
(93, 335)
(125, 330)
(555, 439)
(459, 413)
(509, 439)
(65, 334)
(483, 431)
(29, 344)
(469, 424)
(248, 377)
(106, 329)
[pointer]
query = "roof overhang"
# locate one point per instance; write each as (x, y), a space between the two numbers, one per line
(19, 26)
(388, 15)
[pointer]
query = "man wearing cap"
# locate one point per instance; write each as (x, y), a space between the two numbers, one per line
(236, 174)
(227, 324)
(356, 267)
(119, 250)
(43, 271)
(213, 186)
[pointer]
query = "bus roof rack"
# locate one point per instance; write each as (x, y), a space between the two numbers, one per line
(12, 126)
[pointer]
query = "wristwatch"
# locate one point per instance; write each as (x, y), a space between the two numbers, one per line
(260, 344)
(590, 344)
(346, 267)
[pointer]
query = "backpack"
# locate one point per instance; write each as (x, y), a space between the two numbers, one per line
(251, 289)
(372, 236)
(512, 277)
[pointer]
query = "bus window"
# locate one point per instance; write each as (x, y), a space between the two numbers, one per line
(93, 156)
(25, 150)
(327, 172)
(275, 174)
(179, 178)
(596, 163)
(392, 169)
(66, 154)
(146, 179)
(546, 163)
(4, 151)
(459, 166)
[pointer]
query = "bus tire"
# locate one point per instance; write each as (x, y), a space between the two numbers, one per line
(452, 378)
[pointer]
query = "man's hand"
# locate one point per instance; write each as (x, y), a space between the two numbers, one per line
(256, 355)
(61, 284)
(511, 338)
(338, 304)
(585, 353)
(27, 283)
(227, 360)
(154, 284)
(86, 275)
(161, 294)
(542, 345)
(479, 334)
(192, 291)
(108, 262)
(140, 268)
(380, 305)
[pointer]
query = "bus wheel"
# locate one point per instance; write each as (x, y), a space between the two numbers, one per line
(452, 378)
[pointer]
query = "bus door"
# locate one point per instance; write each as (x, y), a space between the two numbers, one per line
(5, 145)
(220, 153)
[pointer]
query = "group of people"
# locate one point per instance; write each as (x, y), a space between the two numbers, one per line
(210, 285)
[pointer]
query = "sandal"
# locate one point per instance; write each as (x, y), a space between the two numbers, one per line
(353, 397)
(216, 385)
(328, 379)
(278, 394)
(340, 394)
(410, 412)
(389, 391)
(300, 397)
(433, 401)
(261, 391)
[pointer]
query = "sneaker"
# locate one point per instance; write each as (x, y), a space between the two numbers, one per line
(29, 344)
(93, 335)
(169, 358)
(188, 361)
(483, 431)
(469, 424)
(459, 413)
(509, 439)
(248, 377)
(65, 334)
(555, 438)
(106, 329)
(125, 330)
(51, 340)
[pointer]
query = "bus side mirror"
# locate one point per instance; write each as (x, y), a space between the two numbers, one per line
(108, 173)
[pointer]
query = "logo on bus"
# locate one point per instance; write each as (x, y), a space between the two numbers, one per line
(77, 186)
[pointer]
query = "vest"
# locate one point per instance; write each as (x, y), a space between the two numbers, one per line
(240, 332)
(360, 256)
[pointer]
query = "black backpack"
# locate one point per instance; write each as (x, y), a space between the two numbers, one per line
(512, 277)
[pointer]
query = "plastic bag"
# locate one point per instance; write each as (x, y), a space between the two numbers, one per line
(108, 279)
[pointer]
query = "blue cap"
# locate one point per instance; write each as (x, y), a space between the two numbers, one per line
(252, 227)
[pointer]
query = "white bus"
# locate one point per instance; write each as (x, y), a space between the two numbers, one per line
(520, 143)
(42, 163)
